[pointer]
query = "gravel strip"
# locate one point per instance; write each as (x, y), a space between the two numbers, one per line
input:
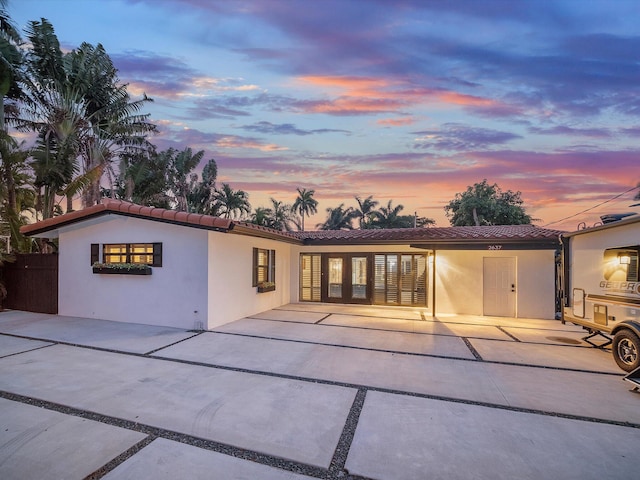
(336, 468)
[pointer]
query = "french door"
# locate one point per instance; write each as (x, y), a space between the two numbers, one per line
(346, 278)
(385, 279)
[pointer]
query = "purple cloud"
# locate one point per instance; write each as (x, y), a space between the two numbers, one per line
(570, 131)
(269, 128)
(457, 137)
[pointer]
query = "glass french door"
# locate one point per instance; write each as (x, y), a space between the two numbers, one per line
(384, 279)
(347, 278)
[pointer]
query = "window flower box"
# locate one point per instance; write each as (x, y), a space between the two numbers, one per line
(266, 287)
(121, 269)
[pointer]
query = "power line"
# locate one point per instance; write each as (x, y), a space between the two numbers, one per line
(594, 207)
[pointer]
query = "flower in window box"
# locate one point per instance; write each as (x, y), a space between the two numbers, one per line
(122, 268)
(266, 287)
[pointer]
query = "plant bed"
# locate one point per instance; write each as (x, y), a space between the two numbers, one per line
(121, 269)
(266, 287)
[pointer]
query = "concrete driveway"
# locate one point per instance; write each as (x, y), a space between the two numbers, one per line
(312, 391)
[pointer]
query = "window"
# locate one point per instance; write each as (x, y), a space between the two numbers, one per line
(264, 266)
(138, 253)
(400, 279)
(310, 277)
(621, 264)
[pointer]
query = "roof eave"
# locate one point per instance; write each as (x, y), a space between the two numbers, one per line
(240, 229)
(29, 231)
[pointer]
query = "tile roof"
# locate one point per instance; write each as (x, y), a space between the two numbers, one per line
(513, 233)
(120, 207)
(422, 236)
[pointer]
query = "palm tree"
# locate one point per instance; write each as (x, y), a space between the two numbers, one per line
(201, 193)
(280, 215)
(143, 179)
(17, 197)
(263, 217)
(10, 60)
(387, 217)
(180, 167)
(365, 210)
(338, 218)
(232, 203)
(80, 111)
(305, 204)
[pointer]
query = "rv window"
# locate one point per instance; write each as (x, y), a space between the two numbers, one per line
(621, 264)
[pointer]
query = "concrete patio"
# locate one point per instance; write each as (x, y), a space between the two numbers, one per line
(312, 391)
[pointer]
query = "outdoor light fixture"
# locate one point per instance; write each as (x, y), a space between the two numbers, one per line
(624, 258)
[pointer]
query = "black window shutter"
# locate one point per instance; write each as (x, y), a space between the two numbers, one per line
(255, 267)
(95, 253)
(272, 266)
(157, 255)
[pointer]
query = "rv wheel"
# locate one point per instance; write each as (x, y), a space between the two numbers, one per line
(626, 350)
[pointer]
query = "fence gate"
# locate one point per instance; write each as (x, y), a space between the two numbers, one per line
(32, 283)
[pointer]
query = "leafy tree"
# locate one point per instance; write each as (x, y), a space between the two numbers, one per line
(338, 218)
(17, 196)
(232, 203)
(484, 204)
(143, 179)
(181, 164)
(387, 217)
(83, 116)
(263, 217)
(201, 193)
(305, 204)
(10, 61)
(365, 210)
(281, 215)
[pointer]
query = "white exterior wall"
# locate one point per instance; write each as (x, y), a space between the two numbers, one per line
(173, 295)
(459, 281)
(230, 266)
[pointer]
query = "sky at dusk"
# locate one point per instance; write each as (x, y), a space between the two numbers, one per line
(405, 100)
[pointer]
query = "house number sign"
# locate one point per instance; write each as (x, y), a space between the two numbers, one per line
(495, 247)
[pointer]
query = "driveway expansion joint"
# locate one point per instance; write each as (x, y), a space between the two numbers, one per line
(508, 334)
(472, 349)
(107, 467)
(174, 343)
(157, 432)
(336, 468)
(337, 345)
(25, 351)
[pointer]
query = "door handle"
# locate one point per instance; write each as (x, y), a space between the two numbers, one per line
(513, 287)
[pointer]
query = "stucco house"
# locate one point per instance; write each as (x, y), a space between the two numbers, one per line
(203, 271)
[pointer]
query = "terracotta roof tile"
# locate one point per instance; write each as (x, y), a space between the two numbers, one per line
(181, 217)
(483, 233)
(130, 209)
(435, 235)
(145, 211)
(135, 209)
(167, 214)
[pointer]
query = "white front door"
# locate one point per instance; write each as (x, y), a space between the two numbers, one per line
(499, 281)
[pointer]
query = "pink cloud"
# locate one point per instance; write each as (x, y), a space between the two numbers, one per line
(396, 122)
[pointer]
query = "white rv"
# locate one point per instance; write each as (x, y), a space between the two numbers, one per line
(601, 287)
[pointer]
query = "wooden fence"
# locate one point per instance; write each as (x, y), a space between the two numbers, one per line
(31, 282)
